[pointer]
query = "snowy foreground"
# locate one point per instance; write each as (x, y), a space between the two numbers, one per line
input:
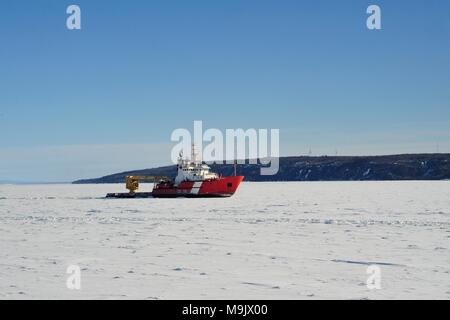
(269, 241)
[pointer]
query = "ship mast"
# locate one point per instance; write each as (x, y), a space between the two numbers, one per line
(193, 156)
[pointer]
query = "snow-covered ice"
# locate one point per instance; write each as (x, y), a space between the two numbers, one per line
(310, 240)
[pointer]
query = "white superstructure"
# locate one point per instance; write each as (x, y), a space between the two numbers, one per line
(193, 169)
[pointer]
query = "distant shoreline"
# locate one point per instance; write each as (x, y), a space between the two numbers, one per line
(325, 168)
(121, 183)
(18, 183)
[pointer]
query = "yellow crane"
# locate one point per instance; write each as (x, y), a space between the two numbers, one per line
(132, 182)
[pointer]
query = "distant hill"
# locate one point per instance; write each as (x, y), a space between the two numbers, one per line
(325, 168)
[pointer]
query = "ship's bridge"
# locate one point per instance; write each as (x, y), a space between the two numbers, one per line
(193, 170)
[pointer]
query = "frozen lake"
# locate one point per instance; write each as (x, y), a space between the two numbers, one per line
(311, 240)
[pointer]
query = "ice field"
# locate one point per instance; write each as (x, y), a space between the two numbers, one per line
(293, 240)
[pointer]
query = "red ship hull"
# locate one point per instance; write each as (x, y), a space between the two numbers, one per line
(221, 187)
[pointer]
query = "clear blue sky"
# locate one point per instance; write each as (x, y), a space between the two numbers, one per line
(105, 98)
